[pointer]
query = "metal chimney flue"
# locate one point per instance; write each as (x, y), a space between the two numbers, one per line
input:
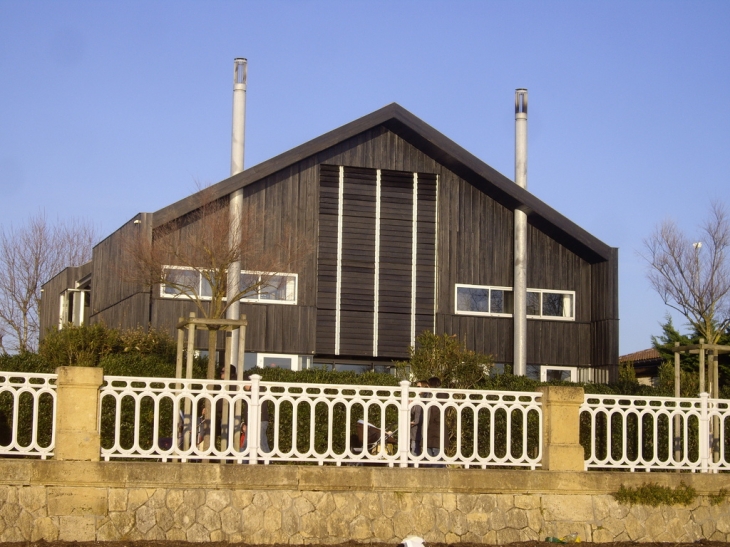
(521, 137)
(235, 204)
(240, 69)
(519, 367)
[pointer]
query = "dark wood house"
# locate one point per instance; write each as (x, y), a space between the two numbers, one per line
(411, 232)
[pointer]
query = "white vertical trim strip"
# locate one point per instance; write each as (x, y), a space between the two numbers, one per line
(338, 288)
(436, 259)
(376, 307)
(414, 249)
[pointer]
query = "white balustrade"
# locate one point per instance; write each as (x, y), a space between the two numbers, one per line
(170, 419)
(653, 433)
(28, 406)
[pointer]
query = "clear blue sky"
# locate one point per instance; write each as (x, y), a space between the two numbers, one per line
(112, 108)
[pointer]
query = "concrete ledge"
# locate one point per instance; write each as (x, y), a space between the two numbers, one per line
(18, 472)
(295, 505)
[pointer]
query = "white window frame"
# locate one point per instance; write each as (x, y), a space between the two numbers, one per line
(259, 300)
(78, 309)
(248, 300)
(554, 317)
(296, 360)
(489, 299)
(510, 289)
(545, 368)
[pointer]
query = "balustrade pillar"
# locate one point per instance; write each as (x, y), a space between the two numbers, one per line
(561, 448)
(77, 413)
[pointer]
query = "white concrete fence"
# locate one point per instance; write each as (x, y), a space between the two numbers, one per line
(81, 414)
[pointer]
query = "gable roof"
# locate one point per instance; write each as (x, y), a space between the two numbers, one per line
(433, 143)
(640, 357)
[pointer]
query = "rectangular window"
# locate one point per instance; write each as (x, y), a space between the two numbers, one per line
(499, 301)
(478, 300)
(552, 373)
(546, 304)
(276, 288)
(269, 288)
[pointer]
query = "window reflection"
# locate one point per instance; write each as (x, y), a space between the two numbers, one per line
(485, 300)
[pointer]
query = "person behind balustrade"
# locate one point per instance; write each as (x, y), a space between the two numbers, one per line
(417, 424)
(436, 425)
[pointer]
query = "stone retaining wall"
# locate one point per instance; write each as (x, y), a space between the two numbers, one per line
(103, 501)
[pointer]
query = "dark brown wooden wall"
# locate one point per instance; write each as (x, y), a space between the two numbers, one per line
(115, 300)
(474, 245)
(358, 260)
(52, 290)
(283, 207)
(604, 332)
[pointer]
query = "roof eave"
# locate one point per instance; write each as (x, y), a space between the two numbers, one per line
(435, 144)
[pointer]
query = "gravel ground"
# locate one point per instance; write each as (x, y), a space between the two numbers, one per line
(702, 543)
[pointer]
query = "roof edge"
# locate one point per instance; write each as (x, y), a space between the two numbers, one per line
(402, 122)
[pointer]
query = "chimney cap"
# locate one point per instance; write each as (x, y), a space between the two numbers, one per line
(521, 101)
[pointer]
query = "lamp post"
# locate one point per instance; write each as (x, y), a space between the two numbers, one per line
(697, 246)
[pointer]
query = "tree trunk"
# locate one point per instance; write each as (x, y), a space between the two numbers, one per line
(212, 343)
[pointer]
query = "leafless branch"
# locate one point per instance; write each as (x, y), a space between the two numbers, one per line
(693, 277)
(29, 256)
(207, 243)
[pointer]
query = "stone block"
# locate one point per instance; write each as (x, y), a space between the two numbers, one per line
(325, 507)
(508, 535)
(77, 501)
(272, 519)
(197, 533)
(123, 522)
(136, 497)
(77, 406)
(478, 524)
(44, 529)
(601, 535)
(77, 528)
(383, 530)
(217, 499)
(517, 519)
(184, 517)
(208, 518)
(117, 499)
(176, 534)
(634, 528)
(145, 519)
(527, 501)
(12, 534)
(577, 508)
(230, 521)
(10, 512)
(164, 518)
(32, 498)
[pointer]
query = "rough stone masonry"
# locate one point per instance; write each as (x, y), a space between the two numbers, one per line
(108, 501)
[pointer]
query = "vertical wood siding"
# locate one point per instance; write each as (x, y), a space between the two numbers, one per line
(50, 297)
(115, 301)
(474, 243)
(396, 229)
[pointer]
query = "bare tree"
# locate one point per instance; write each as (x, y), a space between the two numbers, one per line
(693, 276)
(29, 256)
(190, 257)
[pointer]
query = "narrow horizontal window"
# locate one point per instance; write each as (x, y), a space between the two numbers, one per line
(269, 288)
(499, 301)
(480, 300)
(180, 282)
(263, 287)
